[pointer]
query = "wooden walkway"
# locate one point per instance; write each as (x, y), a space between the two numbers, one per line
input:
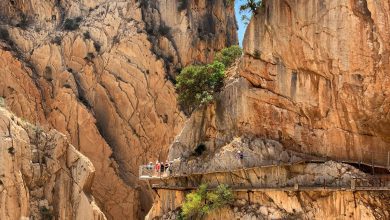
(184, 174)
(285, 189)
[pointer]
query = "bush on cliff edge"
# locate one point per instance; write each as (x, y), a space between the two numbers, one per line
(201, 202)
(198, 84)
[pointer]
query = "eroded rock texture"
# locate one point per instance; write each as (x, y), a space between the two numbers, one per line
(91, 70)
(285, 205)
(42, 176)
(314, 77)
(319, 72)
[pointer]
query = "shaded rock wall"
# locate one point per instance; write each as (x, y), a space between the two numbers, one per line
(88, 69)
(197, 29)
(42, 175)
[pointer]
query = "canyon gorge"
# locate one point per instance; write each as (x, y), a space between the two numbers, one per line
(87, 95)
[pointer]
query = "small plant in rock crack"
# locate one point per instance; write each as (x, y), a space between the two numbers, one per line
(24, 23)
(97, 46)
(72, 24)
(87, 35)
(11, 150)
(256, 54)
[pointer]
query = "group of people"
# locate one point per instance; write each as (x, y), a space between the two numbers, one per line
(160, 167)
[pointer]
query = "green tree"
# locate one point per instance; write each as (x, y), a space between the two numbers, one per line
(229, 55)
(201, 202)
(198, 84)
(251, 5)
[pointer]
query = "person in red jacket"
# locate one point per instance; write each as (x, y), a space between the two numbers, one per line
(157, 167)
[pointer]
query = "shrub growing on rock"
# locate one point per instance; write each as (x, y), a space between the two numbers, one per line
(251, 5)
(72, 24)
(197, 84)
(201, 202)
(229, 55)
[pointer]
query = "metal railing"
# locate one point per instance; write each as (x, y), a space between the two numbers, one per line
(146, 171)
(183, 168)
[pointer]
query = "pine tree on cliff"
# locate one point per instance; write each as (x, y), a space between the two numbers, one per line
(251, 5)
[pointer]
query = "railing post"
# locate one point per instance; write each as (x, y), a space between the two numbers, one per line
(388, 160)
(372, 163)
(296, 187)
(353, 184)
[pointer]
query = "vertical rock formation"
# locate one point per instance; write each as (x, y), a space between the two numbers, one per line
(42, 176)
(319, 72)
(305, 82)
(91, 70)
(313, 79)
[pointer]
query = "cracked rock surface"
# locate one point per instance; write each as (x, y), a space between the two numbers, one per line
(42, 175)
(95, 71)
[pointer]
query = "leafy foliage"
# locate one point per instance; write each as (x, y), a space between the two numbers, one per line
(251, 5)
(87, 35)
(197, 84)
(72, 24)
(256, 54)
(201, 202)
(229, 55)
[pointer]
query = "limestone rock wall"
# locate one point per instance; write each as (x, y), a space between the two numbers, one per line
(320, 75)
(89, 70)
(186, 32)
(284, 205)
(313, 78)
(42, 175)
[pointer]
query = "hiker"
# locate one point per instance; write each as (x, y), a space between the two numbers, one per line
(157, 167)
(240, 155)
(149, 166)
(170, 167)
(167, 168)
(162, 167)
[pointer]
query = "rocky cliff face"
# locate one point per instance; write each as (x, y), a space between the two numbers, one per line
(284, 205)
(313, 79)
(95, 71)
(306, 83)
(42, 176)
(319, 75)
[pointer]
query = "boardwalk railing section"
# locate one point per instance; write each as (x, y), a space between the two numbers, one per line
(375, 182)
(146, 172)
